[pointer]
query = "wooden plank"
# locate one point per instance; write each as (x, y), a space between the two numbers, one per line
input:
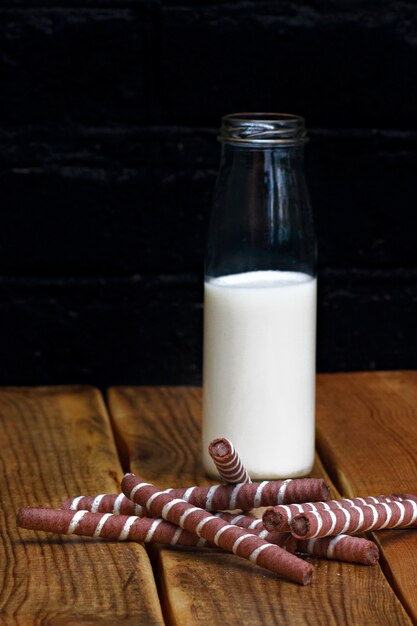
(158, 430)
(367, 437)
(57, 442)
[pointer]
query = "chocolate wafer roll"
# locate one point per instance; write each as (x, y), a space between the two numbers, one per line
(278, 518)
(107, 525)
(116, 503)
(340, 547)
(228, 462)
(220, 497)
(396, 514)
(227, 536)
(217, 497)
(252, 495)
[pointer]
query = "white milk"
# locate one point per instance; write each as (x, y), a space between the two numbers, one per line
(259, 370)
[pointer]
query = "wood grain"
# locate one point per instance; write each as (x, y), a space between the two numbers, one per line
(159, 432)
(57, 442)
(367, 437)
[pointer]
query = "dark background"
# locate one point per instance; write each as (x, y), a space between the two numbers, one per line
(108, 158)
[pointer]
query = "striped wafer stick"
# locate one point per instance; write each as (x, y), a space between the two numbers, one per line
(252, 495)
(118, 504)
(340, 547)
(228, 462)
(396, 514)
(217, 497)
(120, 527)
(226, 536)
(278, 518)
(123, 527)
(106, 525)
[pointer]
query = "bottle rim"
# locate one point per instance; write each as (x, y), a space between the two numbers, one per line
(263, 129)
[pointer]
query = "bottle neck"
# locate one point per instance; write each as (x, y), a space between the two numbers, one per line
(261, 218)
(272, 167)
(293, 155)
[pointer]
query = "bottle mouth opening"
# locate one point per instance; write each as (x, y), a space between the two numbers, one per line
(263, 129)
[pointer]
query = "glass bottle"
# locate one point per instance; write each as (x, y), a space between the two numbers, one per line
(260, 299)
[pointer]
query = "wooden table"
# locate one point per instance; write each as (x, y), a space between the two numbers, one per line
(66, 441)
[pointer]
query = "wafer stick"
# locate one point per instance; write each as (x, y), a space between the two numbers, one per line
(219, 497)
(227, 536)
(117, 526)
(118, 504)
(123, 527)
(340, 547)
(278, 518)
(106, 525)
(228, 462)
(396, 514)
(253, 495)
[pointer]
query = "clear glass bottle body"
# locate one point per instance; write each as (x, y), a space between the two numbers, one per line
(260, 300)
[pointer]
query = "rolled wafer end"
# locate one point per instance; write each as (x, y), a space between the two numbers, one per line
(20, 518)
(300, 526)
(220, 448)
(325, 491)
(289, 566)
(128, 483)
(28, 518)
(48, 520)
(272, 520)
(370, 554)
(307, 575)
(227, 462)
(66, 504)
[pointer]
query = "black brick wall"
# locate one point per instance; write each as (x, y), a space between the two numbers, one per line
(108, 157)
